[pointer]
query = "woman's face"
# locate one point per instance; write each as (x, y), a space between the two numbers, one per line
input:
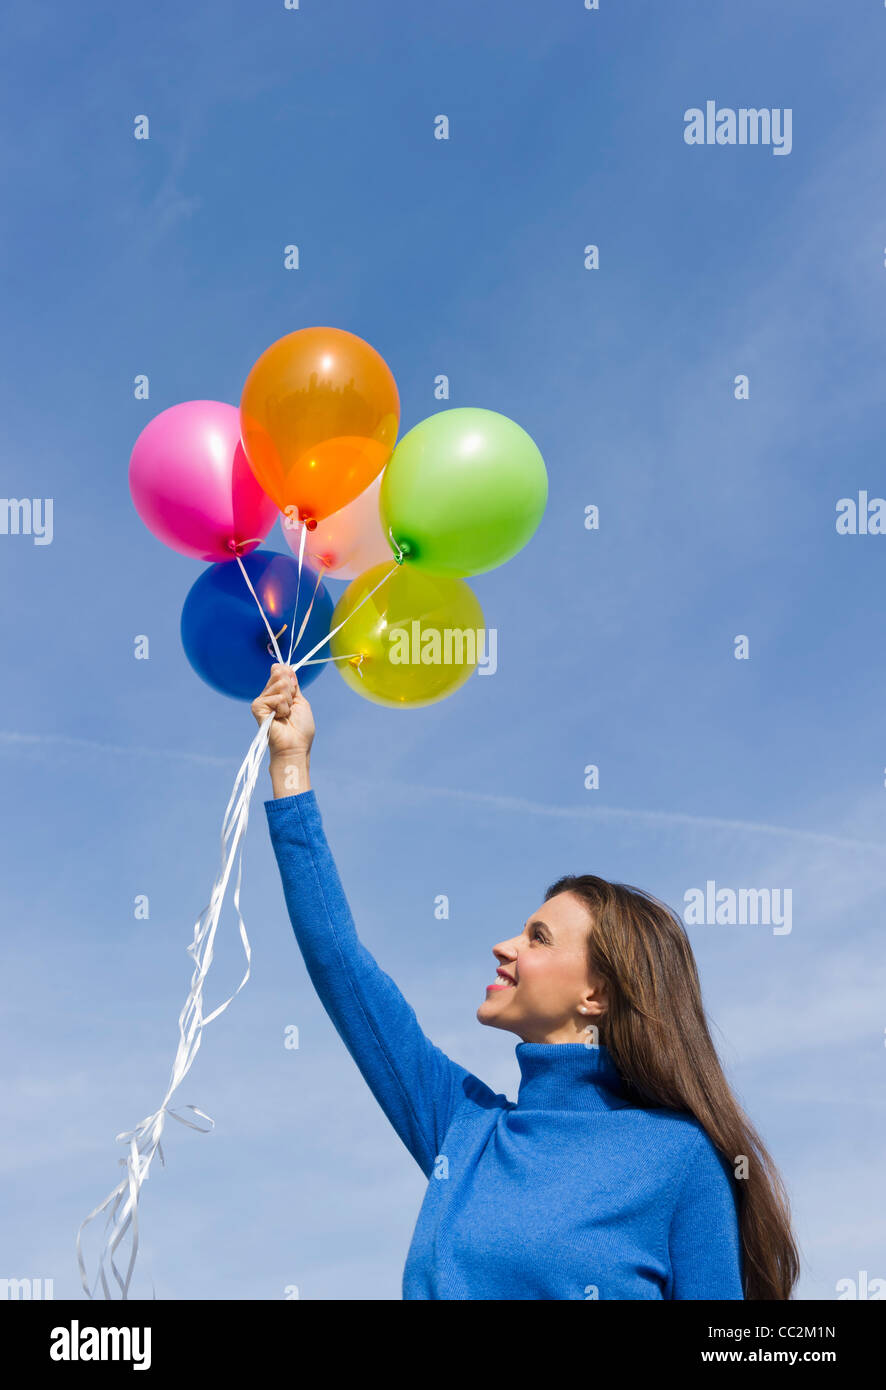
(543, 980)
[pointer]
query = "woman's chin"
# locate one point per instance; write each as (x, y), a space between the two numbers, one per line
(488, 1013)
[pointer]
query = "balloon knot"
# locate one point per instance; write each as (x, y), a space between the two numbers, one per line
(310, 523)
(402, 550)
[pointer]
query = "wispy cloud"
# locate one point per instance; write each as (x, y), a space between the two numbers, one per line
(11, 741)
(650, 818)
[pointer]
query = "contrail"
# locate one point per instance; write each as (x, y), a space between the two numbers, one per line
(10, 741)
(538, 808)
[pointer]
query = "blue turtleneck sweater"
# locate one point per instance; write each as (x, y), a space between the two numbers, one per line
(572, 1192)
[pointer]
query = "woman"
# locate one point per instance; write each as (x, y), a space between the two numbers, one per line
(625, 1169)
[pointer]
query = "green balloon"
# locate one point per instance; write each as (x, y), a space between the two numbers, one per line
(463, 492)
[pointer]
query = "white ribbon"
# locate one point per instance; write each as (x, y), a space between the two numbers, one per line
(144, 1140)
(303, 660)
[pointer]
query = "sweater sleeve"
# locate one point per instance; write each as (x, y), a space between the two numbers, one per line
(417, 1086)
(704, 1241)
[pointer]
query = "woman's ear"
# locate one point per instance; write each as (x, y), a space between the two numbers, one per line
(594, 1001)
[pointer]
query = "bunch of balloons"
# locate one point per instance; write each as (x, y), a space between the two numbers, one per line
(315, 442)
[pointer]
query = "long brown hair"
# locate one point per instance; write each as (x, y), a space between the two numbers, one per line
(656, 1031)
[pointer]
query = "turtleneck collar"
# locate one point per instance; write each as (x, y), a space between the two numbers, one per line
(568, 1076)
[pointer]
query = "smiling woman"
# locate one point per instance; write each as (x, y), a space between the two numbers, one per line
(534, 994)
(625, 1168)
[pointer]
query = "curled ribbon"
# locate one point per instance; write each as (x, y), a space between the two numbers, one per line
(144, 1140)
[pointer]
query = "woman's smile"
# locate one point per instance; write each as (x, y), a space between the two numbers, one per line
(504, 981)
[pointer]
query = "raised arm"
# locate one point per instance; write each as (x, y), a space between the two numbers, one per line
(416, 1084)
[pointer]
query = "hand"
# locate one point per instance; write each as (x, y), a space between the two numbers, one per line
(292, 731)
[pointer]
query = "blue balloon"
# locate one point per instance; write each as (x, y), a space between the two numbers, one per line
(222, 631)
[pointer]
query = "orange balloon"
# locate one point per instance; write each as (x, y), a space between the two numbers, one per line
(318, 418)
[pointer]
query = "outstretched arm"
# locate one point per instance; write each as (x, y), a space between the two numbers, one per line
(416, 1084)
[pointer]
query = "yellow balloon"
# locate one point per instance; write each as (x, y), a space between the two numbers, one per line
(415, 641)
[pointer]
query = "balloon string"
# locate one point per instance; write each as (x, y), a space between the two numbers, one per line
(293, 639)
(144, 1140)
(319, 660)
(307, 660)
(301, 555)
(260, 609)
(304, 621)
(303, 660)
(397, 546)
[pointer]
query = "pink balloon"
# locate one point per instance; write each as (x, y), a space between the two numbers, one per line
(348, 542)
(192, 485)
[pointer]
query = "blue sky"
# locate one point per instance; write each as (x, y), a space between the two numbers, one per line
(615, 647)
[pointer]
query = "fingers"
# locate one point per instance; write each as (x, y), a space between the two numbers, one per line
(281, 705)
(284, 675)
(278, 694)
